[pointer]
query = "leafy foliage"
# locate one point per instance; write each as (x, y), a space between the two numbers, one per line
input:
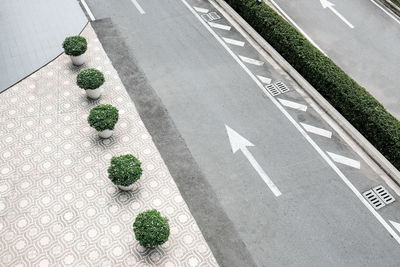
(90, 79)
(124, 170)
(75, 45)
(361, 109)
(151, 229)
(103, 117)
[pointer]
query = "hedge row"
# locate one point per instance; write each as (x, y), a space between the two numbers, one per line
(361, 109)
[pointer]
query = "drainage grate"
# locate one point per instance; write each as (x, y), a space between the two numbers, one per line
(383, 194)
(373, 199)
(272, 90)
(282, 87)
(211, 16)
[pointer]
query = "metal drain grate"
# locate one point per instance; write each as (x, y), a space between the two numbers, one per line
(272, 90)
(373, 199)
(210, 16)
(383, 194)
(282, 87)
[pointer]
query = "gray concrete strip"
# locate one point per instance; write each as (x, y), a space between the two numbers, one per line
(217, 228)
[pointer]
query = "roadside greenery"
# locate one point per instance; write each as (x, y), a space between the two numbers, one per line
(74, 45)
(124, 170)
(103, 117)
(361, 109)
(151, 229)
(90, 79)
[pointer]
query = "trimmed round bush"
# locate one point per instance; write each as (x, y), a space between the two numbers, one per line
(151, 229)
(103, 117)
(75, 45)
(124, 170)
(90, 79)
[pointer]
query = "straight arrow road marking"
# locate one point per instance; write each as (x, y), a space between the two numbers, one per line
(201, 10)
(238, 142)
(138, 7)
(292, 104)
(264, 79)
(233, 41)
(327, 4)
(344, 160)
(395, 225)
(251, 61)
(220, 26)
(316, 130)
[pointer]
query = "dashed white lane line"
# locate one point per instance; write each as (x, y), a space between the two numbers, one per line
(220, 26)
(88, 11)
(264, 79)
(344, 160)
(251, 61)
(201, 10)
(233, 41)
(138, 7)
(316, 130)
(291, 104)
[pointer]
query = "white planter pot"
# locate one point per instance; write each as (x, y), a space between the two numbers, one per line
(106, 133)
(78, 60)
(125, 188)
(94, 93)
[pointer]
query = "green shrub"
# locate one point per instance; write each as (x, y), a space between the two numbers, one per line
(151, 229)
(124, 170)
(103, 117)
(361, 109)
(75, 45)
(90, 79)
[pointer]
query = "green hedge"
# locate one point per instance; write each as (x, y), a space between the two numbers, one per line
(361, 109)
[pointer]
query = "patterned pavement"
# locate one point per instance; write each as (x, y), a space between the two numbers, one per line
(57, 206)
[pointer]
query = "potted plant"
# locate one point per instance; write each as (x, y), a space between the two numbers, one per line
(91, 80)
(103, 118)
(151, 229)
(75, 47)
(124, 171)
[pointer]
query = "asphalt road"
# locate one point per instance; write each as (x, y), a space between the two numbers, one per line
(368, 52)
(318, 219)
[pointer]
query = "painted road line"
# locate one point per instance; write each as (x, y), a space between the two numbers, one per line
(316, 130)
(395, 225)
(251, 61)
(201, 10)
(88, 11)
(291, 104)
(323, 155)
(387, 13)
(138, 7)
(331, 7)
(233, 41)
(264, 79)
(238, 142)
(220, 26)
(344, 160)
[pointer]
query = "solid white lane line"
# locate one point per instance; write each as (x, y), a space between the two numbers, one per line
(88, 11)
(233, 41)
(395, 225)
(201, 10)
(344, 160)
(387, 13)
(251, 61)
(138, 7)
(297, 26)
(299, 128)
(291, 104)
(316, 130)
(220, 26)
(264, 79)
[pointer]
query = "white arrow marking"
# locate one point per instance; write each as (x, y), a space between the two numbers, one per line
(251, 61)
(327, 4)
(138, 7)
(316, 130)
(292, 104)
(220, 26)
(239, 142)
(201, 10)
(395, 225)
(344, 160)
(264, 79)
(233, 42)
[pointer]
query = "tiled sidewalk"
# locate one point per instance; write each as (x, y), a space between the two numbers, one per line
(57, 205)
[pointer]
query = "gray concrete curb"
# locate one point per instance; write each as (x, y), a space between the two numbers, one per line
(357, 137)
(395, 9)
